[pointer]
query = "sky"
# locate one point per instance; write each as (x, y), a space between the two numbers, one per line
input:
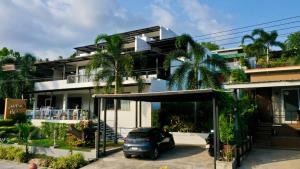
(52, 28)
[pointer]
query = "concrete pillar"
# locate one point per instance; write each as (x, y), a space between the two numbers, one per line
(35, 99)
(65, 101)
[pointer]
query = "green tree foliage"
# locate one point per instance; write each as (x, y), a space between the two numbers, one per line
(262, 42)
(238, 76)
(111, 65)
(209, 45)
(15, 83)
(293, 46)
(193, 63)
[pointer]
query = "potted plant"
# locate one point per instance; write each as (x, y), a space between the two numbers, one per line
(227, 135)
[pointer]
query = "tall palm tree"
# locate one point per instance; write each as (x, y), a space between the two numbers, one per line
(196, 69)
(111, 66)
(262, 42)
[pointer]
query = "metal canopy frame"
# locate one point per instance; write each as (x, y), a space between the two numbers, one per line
(167, 96)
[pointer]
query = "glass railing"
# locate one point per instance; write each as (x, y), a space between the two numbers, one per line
(57, 114)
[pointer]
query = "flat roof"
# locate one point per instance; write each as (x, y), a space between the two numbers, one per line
(253, 85)
(273, 69)
(128, 36)
(165, 96)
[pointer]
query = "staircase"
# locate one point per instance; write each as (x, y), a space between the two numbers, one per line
(263, 135)
(110, 133)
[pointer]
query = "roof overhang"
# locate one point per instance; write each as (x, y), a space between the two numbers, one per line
(263, 85)
(166, 96)
(274, 69)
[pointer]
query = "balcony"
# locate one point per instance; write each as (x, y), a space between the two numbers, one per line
(85, 81)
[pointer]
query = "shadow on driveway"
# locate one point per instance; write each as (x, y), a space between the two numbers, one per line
(182, 156)
(272, 159)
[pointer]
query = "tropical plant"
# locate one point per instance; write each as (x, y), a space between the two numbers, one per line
(24, 134)
(262, 42)
(293, 46)
(195, 70)
(210, 46)
(238, 76)
(14, 84)
(112, 66)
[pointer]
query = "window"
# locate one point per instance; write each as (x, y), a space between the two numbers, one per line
(123, 105)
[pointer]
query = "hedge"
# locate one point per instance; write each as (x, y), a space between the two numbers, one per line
(73, 161)
(12, 153)
(8, 122)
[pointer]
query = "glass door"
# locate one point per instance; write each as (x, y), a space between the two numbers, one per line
(291, 105)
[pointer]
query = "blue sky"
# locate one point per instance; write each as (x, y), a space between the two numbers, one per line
(49, 28)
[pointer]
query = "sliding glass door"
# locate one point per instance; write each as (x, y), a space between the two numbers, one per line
(290, 105)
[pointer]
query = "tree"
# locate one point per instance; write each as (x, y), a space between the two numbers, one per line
(210, 46)
(262, 42)
(195, 70)
(111, 66)
(14, 84)
(293, 46)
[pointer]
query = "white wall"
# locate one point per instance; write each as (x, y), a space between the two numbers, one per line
(141, 43)
(166, 33)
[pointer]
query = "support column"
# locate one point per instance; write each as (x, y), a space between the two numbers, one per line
(97, 141)
(140, 116)
(65, 101)
(89, 113)
(136, 114)
(215, 133)
(116, 121)
(35, 99)
(104, 126)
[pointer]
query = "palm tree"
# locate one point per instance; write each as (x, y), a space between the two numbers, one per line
(196, 69)
(262, 42)
(111, 66)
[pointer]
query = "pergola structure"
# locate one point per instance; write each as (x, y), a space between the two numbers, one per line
(198, 95)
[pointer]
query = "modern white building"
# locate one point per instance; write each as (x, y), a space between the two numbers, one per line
(64, 93)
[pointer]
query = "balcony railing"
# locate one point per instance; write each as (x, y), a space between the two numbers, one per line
(57, 114)
(90, 78)
(80, 78)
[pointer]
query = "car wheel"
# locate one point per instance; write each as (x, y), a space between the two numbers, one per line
(155, 154)
(127, 155)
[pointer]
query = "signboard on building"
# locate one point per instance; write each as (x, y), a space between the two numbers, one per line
(13, 106)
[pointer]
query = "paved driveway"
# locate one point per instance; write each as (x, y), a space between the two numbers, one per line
(4, 164)
(272, 159)
(183, 156)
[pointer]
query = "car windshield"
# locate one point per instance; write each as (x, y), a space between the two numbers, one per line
(138, 135)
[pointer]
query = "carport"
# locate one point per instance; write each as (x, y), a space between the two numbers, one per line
(198, 95)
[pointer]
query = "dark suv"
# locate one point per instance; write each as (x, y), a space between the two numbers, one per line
(147, 142)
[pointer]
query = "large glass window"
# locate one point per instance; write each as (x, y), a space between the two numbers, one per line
(291, 104)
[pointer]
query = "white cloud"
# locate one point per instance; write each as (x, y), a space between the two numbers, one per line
(49, 28)
(59, 25)
(162, 16)
(202, 17)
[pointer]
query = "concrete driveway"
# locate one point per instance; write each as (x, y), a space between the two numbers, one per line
(182, 156)
(272, 159)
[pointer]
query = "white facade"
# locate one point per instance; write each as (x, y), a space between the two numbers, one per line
(80, 88)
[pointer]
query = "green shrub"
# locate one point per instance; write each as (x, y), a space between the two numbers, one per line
(9, 129)
(60, 129)
(8, 122)
(19, 118)
(69, 162)
(12, 153)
